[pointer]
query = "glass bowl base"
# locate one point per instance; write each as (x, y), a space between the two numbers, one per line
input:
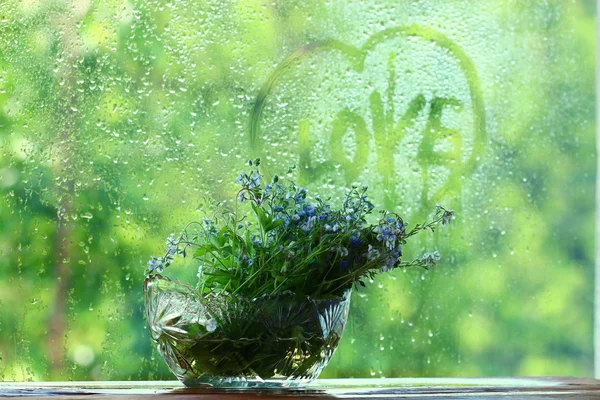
(245, 383)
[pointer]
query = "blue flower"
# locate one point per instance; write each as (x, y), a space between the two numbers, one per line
(251, 181)
(285, 218)
(385, 233)
(344, 264)
(341, 250)
(254, 180)
(354, 241)
(309, 210)
(447, 217)
(389, 264)
(299, 197)
(372, 253)
(156, 264)
(171, 241)
(399, 250)
(430, 259)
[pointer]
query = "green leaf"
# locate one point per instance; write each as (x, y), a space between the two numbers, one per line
(200, 252)
(263, 219)
(273, 225)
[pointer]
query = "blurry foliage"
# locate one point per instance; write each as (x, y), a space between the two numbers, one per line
(118, 118)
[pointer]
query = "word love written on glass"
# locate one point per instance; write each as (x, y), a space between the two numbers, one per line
(395, 54)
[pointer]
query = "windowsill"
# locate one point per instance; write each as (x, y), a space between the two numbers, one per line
(422, 388)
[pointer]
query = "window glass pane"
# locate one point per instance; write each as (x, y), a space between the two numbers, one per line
(119, 119)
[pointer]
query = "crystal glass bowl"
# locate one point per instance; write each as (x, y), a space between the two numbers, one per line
(283, 340)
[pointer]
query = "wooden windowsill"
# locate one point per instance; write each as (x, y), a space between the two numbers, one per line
(390, 388)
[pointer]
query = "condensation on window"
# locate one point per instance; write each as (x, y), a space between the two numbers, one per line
(119, 120)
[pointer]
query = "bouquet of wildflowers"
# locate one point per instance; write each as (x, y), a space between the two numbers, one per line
(278, 239)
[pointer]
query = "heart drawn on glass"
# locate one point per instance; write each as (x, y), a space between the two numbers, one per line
(381, 131)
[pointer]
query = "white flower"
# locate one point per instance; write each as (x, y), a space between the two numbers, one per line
(211, 325)
(309, 224)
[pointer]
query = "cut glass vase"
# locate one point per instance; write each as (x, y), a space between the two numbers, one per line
(228, 341)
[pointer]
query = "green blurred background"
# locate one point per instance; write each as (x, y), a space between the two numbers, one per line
(118, 119)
